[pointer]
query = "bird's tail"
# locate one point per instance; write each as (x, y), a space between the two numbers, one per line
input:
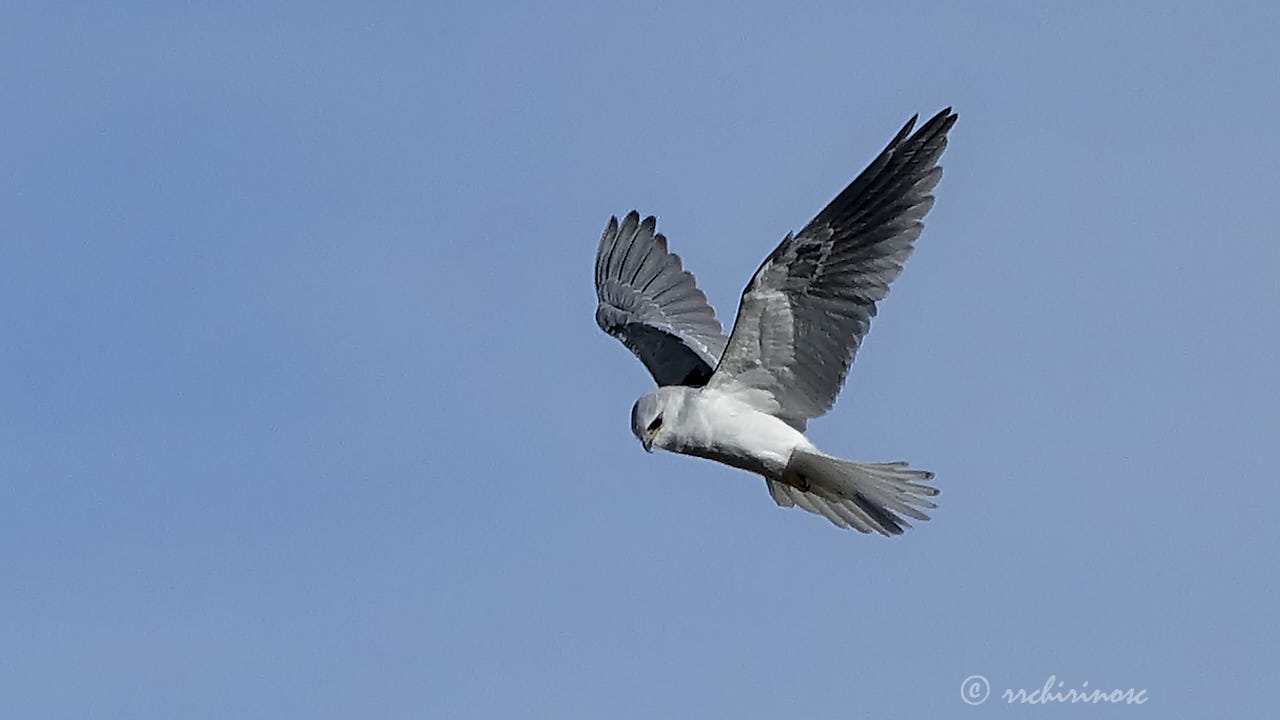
(863, 496)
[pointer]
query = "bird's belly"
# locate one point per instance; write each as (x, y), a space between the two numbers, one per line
(738, 435)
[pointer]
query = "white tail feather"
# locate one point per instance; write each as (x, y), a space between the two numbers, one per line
(862, 496)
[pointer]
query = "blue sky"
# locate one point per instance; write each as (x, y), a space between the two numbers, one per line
(306, 414)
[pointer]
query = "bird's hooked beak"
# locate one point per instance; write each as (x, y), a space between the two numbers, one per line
(648, 439)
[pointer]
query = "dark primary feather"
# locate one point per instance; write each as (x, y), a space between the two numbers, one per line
(653, 305)
(807, 308)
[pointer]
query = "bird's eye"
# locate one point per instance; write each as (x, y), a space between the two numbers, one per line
(657, 422)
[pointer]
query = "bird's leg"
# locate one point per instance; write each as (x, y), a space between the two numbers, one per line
(795, 480)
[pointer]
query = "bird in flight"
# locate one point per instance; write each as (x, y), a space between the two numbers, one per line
(744, 400)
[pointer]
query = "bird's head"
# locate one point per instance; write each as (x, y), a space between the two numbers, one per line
(647, 418)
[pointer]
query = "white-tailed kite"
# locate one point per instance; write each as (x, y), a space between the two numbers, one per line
(744, 400)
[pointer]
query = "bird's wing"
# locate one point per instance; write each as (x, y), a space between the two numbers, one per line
(653, 305)
(809, 305)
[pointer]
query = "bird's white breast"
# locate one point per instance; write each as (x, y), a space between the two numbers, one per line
(716, 425)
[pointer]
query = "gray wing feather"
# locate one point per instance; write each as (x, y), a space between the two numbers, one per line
(653, 305)
(807, 308)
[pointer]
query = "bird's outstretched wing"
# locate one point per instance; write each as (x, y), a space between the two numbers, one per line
(809, 305)
(653, 305)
